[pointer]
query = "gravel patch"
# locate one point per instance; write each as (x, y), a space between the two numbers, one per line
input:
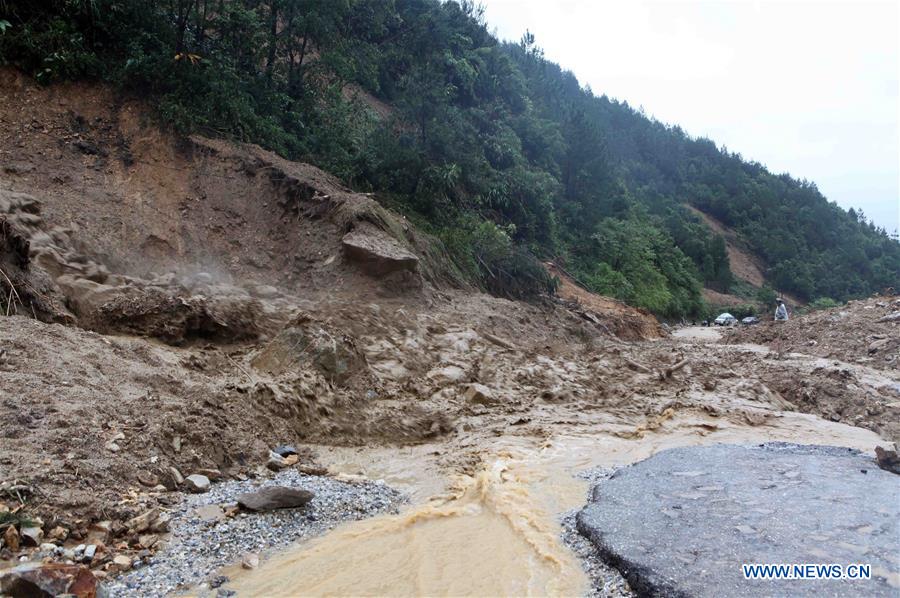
(606, 581)
(198, 548)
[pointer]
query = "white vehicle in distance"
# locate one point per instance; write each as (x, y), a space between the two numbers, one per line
(725, 319)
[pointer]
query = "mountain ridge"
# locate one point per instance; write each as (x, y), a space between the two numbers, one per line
(495, 150)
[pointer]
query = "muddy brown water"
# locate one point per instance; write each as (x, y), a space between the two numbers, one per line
(494, 533)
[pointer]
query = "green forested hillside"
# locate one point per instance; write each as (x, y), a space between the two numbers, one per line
(497, 151)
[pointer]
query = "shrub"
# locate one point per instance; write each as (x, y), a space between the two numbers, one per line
(823, 303)
(486, 253)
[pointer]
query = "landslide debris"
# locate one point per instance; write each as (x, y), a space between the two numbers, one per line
(292, 312)
(612, 316)
(35, 579)
(305, 342)
(864, 332)
(24, 288)
(377, 253)
(271, 498)
(46, 275)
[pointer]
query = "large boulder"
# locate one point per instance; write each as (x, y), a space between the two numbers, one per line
(197, 483)
(377, 252)
(274, 497)
(683, 522)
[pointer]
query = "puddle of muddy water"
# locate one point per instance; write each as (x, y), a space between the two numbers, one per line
(496, 532)
(487, 537)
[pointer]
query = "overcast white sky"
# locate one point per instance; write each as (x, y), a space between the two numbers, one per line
(805, 87)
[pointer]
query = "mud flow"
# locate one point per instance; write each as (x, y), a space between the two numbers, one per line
(494, 533)
(489, 536)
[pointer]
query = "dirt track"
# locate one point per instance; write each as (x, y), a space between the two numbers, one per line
(212, 313)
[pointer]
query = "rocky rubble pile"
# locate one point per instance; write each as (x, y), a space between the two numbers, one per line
(865, 331)
(58, 552)
(239, 521)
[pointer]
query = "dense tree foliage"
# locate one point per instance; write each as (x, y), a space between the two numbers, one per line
(499, 152)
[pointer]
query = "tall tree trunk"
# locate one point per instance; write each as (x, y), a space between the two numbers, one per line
(303, 48)
(183, 15)
(273, 38)
(201, 22)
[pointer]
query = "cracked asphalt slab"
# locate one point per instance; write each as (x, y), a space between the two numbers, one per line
(683, 522)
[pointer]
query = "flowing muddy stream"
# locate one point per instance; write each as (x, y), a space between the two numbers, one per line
(495, 532)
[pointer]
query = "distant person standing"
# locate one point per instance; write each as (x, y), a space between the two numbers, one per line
(781, 312)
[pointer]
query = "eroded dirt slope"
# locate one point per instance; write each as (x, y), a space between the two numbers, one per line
(150, 205)
(743, 264)
(614, 317)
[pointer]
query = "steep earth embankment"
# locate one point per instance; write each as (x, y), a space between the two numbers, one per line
(613, 316)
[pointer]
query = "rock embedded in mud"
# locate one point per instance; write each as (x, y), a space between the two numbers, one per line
(35, 579)
(878, 345)
(161, 523)
(250, 561)
(177, 478)
(197, 483)
(58, 533)
(480, 394)
(11, 538)
(684, 521)
(147, 478)
(121, 562)
(147, 541)
(449, 374)
(143, 521)
(285, 450)
(331, 351)
(276, 462)
(212, 474)
(32, 536)
(313, 470)
(274, 497)
(169, 314)
(888, 460)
